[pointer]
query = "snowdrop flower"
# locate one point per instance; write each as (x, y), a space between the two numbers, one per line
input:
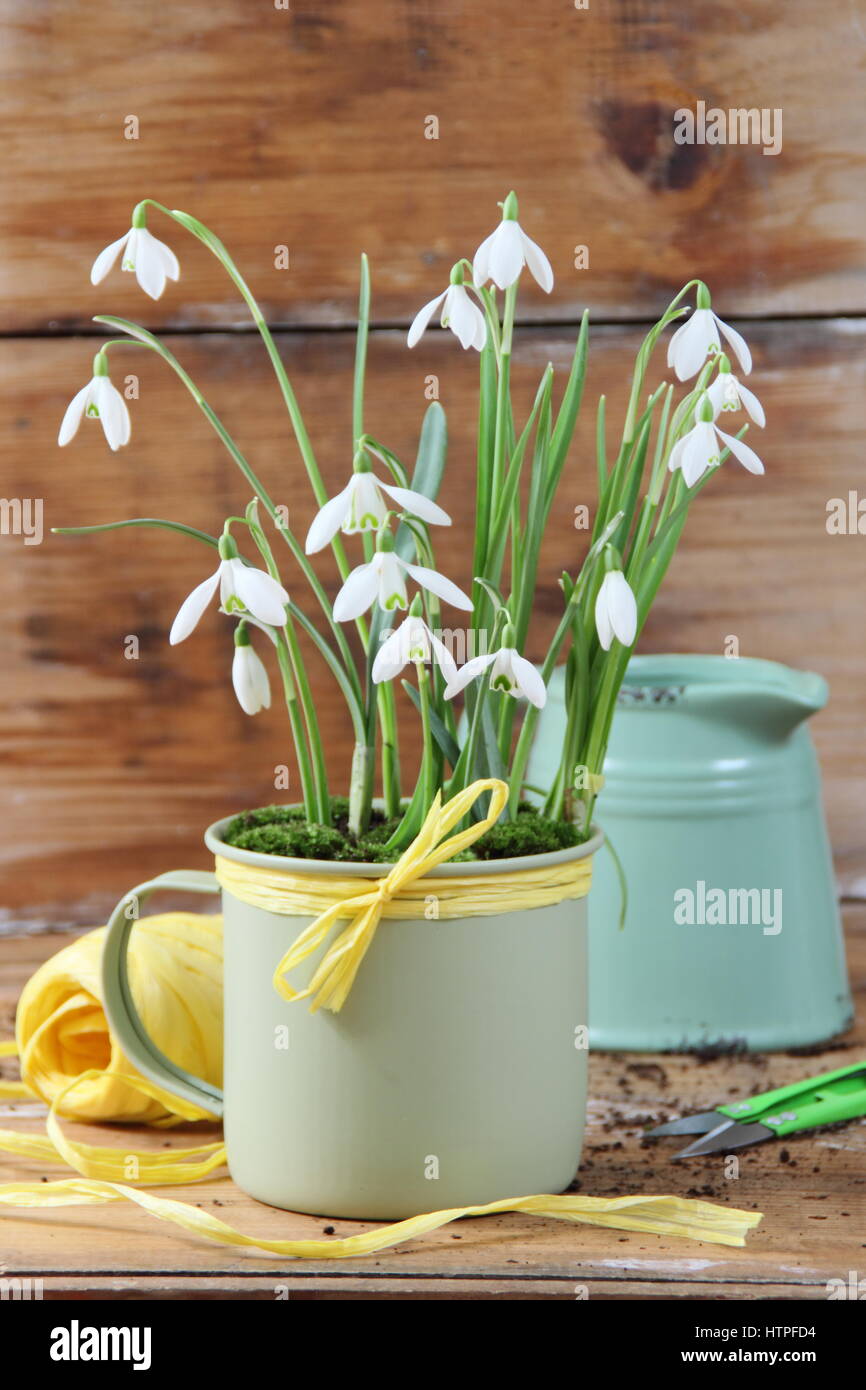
(459, 313)
(615, 610)
(384, 578)
(727, 393)
(241, 588)
(698, 338)
(509, 671)
(362, 506)
(98, 400)
(701, 448)
(503, 254)
(412, 641)
(249, 677)
(150, 259)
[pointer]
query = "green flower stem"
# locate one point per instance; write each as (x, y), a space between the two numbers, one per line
(136, 521)
(311, 803)
(387, 710)
(462, 773)
(361, 354)
(527, 731)
(322, 799)
(217, 249)
(503, 392)
(644, 354)
(428, 770)
(320, 774)
(361, 787)
(142, 336)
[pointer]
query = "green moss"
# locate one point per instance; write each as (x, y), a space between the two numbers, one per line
(283, 830)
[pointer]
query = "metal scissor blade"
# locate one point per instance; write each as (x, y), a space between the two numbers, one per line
(689, 1124)
(730, 1135)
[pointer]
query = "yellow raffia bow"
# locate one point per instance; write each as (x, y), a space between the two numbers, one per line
(335, 974)
(402, 892)
(62, 1027)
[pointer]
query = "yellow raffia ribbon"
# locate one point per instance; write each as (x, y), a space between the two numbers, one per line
(173, 962)
(402, 892)
(105, 1178)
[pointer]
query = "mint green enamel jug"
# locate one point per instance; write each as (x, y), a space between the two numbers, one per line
(712, 800)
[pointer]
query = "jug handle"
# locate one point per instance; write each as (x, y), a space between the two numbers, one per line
(124, 1022)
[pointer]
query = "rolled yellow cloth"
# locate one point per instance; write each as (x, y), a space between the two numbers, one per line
(175, 972)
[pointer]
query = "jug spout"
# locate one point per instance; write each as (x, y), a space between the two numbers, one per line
(763, 697)
(769, 698)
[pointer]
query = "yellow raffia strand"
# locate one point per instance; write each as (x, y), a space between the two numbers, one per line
(105, 1178)
(69, 1060)
(401, 892)
(12, 1090)
(667, 1216)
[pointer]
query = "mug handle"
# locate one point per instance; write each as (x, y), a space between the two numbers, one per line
(123, 1019)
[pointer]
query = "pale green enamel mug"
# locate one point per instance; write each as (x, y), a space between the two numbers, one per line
(454, 1075)
(712, 801)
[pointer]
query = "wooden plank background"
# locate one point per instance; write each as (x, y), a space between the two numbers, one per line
(306, 128)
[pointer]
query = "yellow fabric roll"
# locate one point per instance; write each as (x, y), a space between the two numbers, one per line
(175, 971)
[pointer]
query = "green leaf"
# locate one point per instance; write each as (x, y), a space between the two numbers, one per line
(429, 467)
(484, 457)
(512, 475)
(600, 446)
(447, 744)
(568, 411)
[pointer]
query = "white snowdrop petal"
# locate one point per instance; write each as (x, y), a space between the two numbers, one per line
(539, 266)
(699, 337)
(752, 405)
(105, 260)
(481, 261)
(529, 680)
(506, 254)
(261, 594)
(737, 342)
(675, 339)
(439, 585)
(458, 311)
(622, 606)
(169, 259)
(416, 503)
(112, 412)
(191, 609)
(422, 319)
(73, 415)
(444, 659)
(741, 451)
(676, 454)
(150, 269)
(391, 656)
(357, 594)
(250, 681)
(327, 522)
(367, 507)
(467, 673)
(602, 616)
(700, 452)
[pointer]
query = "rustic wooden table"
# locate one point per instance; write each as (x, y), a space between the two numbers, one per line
(812, 1191)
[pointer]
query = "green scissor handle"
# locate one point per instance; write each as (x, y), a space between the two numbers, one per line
(819, 1100)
